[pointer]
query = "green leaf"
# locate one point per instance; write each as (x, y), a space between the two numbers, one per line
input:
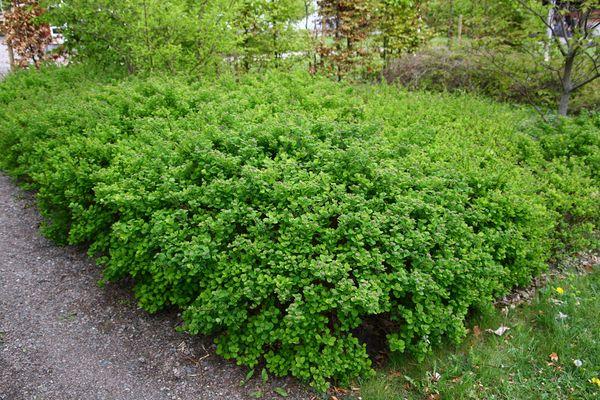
(249, 375)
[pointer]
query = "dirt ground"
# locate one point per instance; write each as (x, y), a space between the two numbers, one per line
(63, 337)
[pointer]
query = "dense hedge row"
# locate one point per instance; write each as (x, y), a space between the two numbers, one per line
(280, 212)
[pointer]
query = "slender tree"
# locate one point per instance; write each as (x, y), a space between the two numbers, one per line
(265, 29)
(573, 34)
(400, 26)
(347, 25)
(25, 34)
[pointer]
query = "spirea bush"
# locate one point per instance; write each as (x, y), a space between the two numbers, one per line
(282, 212)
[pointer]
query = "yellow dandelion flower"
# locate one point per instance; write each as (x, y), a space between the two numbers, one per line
(595, 381)
(559, 290)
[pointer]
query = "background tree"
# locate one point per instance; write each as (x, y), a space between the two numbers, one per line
(282, 16)
(26, 34)
(347, 26)
(402, 28)
(500, 21)
(144, 35)
(574, 39)
(265, 30)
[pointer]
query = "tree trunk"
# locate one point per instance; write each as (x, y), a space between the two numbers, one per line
(451, 25)
(567, 85)
(460, 27)
(385, 51)
(147, 38)
(11, 57)
(563, 106)
(549, 31)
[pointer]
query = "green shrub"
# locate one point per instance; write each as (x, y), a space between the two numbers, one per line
(571, 168)
(280, 212)
(497, 73)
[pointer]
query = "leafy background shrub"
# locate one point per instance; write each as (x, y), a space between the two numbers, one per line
(281, 212)
(508, 76)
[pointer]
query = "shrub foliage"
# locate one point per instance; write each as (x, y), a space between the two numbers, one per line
(280, 213)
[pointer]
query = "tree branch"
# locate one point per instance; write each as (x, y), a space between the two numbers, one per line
(542, 18)
(585, 82)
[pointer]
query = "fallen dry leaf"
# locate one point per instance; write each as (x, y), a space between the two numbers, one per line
(561, 316)
(340, 390)
(435, 377)
(476, 331)
(500, 331)
(395, 374)
(553, 357)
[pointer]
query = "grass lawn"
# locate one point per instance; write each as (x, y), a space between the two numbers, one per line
(535, 359)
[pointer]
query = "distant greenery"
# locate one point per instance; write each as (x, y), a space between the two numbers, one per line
(208, 36)
(179, 35)
(479, 71)
(552, 351)
(491, 21)
(281, 212)
(360, 40)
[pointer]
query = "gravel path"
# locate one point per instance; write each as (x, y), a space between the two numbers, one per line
(63, 337)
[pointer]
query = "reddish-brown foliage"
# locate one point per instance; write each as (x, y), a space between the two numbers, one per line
(346, 26)
(25, 34)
